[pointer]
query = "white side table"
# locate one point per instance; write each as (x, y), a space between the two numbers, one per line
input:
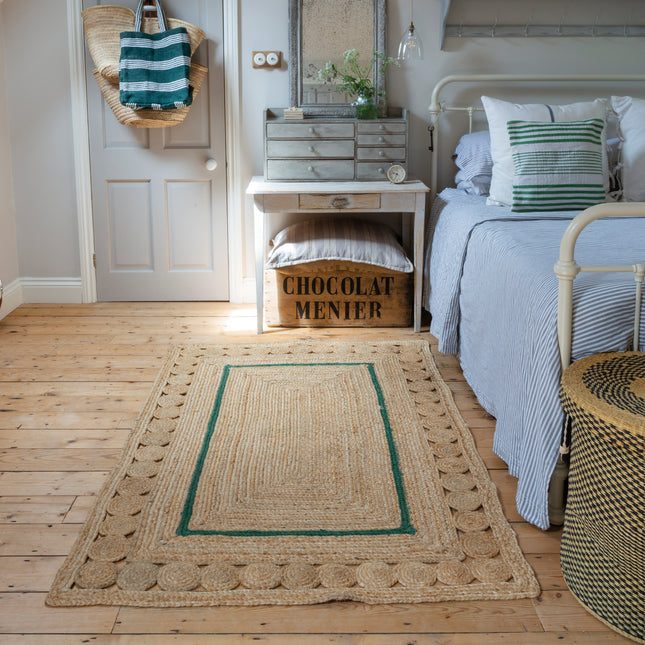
(337, 197)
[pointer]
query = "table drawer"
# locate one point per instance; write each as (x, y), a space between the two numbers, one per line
(382, 128)
(340, 201)
(381, 139)
(313, 131)
(292, 170)
(375, 154)
(313, 149)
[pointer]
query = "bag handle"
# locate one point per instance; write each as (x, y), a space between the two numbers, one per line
(161, 16)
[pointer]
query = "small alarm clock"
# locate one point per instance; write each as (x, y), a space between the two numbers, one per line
(396, 173)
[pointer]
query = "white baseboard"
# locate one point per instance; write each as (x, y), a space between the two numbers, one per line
(52, 290)
(11, 298)
(46, 290)
(69, 291)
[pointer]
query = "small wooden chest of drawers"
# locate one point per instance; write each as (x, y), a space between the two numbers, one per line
(333, 148)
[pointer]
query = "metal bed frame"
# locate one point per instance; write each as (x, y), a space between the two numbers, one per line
(566, 268)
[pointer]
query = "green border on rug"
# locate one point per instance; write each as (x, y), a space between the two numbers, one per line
(405, 526)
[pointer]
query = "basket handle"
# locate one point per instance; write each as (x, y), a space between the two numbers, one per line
(161, 16)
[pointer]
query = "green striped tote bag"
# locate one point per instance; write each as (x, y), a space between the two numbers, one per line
(154, 69)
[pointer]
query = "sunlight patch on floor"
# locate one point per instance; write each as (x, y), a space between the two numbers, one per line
(239, 320)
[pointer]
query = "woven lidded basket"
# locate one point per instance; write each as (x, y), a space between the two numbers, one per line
(603, 542)
(103, 25)
(149, 118)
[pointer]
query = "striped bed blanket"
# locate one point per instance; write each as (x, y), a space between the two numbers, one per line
(492, 293)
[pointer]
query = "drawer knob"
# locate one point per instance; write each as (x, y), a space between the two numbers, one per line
(339, 202)
(381, 127)
(311, 130)
(381, 170)
(310, 148)
(381, 153)
(310, 168)
(381, 139)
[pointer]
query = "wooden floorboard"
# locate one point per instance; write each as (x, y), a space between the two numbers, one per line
(72, 380)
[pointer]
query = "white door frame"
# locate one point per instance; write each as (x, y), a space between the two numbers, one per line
(81, 144)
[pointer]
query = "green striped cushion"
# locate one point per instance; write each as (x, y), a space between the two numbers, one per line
(154, 70)
(558, 166)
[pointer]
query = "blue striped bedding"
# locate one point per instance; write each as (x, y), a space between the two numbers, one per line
(492, 293)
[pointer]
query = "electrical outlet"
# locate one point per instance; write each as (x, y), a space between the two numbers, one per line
(267, 59)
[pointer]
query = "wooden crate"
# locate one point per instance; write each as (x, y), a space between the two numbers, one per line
(331, 293)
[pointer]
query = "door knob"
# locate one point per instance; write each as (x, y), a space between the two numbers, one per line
(211, 164)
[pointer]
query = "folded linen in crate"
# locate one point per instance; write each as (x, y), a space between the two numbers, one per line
(344, 239)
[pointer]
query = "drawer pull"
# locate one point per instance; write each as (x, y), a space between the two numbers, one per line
(339, 202)
(311, 130)
(381, 127)
(381, 153)
(381, 139)
(310, 148)
(310, 168)
(381, 170)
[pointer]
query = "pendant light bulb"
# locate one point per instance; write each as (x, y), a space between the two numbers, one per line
(410, 46)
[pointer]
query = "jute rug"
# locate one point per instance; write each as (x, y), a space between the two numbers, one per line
(292, 474)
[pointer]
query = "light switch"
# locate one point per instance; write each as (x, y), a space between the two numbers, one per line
(267, 59)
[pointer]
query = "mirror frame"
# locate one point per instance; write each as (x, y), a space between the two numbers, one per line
(295, 61)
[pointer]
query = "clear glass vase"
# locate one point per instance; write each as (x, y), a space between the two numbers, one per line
(366, 107)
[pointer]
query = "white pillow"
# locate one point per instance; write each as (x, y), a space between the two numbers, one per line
(631, 130)
(500, 112)
(344, 238)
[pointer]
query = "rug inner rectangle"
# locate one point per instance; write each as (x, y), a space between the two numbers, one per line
(294, 450)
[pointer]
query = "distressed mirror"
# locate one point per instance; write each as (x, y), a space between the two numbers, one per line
(320, 31)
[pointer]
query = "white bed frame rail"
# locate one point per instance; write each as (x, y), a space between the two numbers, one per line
(566, 268)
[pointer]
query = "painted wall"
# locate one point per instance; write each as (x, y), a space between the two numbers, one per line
(38, 94)
(8, 246)
(37, 91)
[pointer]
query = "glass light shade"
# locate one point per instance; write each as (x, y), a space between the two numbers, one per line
(410, 46)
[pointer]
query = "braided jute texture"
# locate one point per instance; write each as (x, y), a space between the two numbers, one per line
(296, 473)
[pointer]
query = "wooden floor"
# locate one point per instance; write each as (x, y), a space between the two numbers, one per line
(72, 380)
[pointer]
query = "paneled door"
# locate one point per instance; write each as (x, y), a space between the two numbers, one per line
(159, 194)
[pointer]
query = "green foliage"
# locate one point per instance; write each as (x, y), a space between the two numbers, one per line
(354, 78)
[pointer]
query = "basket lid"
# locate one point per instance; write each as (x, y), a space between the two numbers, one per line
(610, 386)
